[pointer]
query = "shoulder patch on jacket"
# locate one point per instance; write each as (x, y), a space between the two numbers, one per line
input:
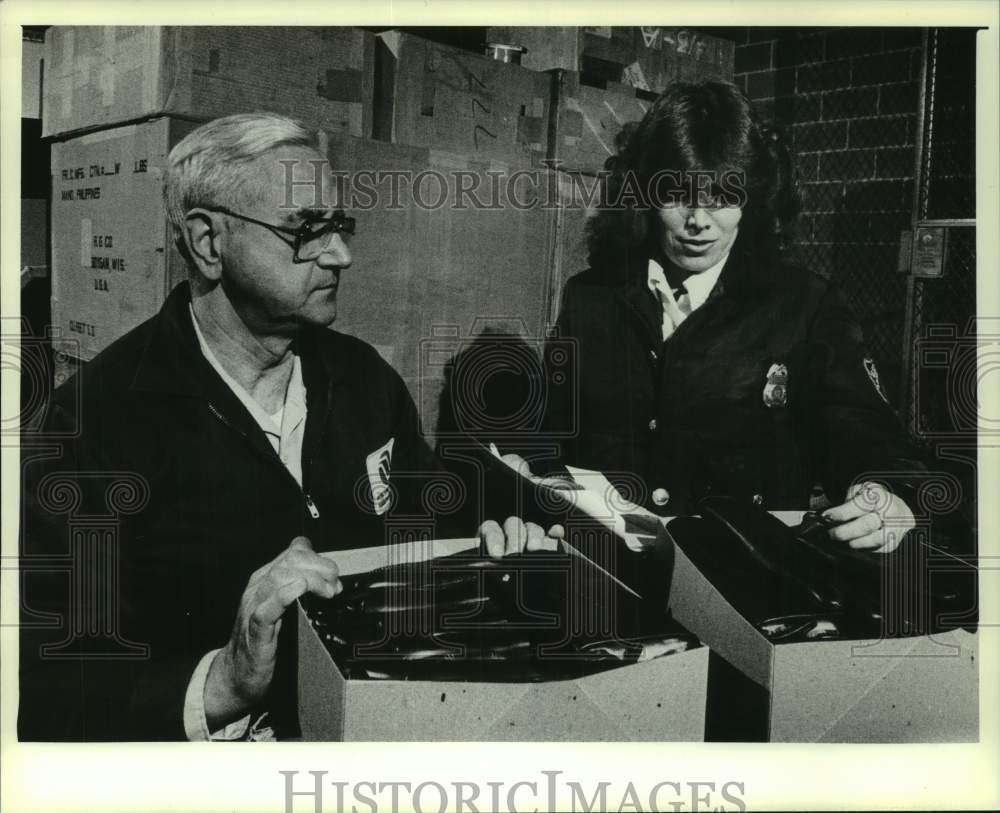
(872, 372)
(378, 464)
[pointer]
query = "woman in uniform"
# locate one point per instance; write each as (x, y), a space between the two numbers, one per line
(694, 358)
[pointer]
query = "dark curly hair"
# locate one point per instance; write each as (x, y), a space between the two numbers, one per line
(691, 127)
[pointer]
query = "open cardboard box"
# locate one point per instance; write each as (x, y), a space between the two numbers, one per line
(658, 700)
(914, 689)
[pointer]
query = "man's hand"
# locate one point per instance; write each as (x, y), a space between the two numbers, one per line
(241, 673)
(517, 535)
(872, 519)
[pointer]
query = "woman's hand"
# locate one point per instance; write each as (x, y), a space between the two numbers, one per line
(872, 518)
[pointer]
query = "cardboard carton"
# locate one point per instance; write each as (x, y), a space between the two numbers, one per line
(98, 76)
(430, 281)
(913, 689)
(645, 57)
(445, 98)
(113, 260)
(587, 121)
(661, 699)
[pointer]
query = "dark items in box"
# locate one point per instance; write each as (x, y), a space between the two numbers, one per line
(662, 699)
(879, 679)
(797, 582)
(529, 617)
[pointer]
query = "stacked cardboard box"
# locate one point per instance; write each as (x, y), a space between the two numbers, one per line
(645, 57)
(113, 258)
(444, 98)
(98, 76)
(588, 120)
(434, 268)
(435, 107)
(118, 98)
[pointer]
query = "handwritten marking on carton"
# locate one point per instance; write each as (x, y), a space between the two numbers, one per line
(681, 41)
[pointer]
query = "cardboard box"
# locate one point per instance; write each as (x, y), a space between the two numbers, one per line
(576, 193)
(428, 281)
(441, 97)
(98, 76)
(915, 689)
(654, 56)
(659, 700)
(587, 121)
(113, 259)
(548, 46)
(645, 57)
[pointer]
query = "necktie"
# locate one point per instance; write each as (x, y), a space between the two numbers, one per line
(676, 306)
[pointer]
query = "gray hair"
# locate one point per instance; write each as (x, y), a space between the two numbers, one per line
(208, 167)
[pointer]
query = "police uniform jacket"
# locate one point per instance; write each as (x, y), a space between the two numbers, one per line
(149, 451)
(760, 394)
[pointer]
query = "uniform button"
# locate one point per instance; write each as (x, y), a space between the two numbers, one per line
(661, 496)
(652, 425)
(758, 499)
(653, 355)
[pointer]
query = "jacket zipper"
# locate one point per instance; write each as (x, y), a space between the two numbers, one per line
(310, 503)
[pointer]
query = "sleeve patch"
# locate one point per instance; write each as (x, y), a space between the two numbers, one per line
(872, 372)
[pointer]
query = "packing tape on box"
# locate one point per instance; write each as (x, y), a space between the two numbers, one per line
(634, 76)
(355, 118)
(357, 52)
(107, 84)
(342, 85)
(68, 49)
(151, 44)
(531, 130)
(107, 73)
(86, 241)
(66, 96)
(571, 119)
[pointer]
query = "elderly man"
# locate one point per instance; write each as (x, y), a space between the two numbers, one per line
(247, 429)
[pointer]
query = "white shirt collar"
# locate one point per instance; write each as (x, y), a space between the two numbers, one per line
(295, 394)
(698, 286)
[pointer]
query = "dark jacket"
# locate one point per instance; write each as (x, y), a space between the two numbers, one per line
(188, 498)
(689, 415)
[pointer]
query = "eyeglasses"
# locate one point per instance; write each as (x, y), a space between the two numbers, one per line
(310, 239)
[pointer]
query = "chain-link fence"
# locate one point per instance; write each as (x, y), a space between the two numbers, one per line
(942, 340)
(948, 165)
(850, 100)
(943, 307)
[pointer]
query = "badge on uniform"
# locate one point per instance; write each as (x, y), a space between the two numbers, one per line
(873, 377)
(378, 464)
(776, 388)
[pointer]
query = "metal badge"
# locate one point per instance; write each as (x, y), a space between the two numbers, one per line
(873, 377)
(776, 388)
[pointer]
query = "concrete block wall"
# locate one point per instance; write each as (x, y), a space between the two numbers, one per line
(849, 98)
